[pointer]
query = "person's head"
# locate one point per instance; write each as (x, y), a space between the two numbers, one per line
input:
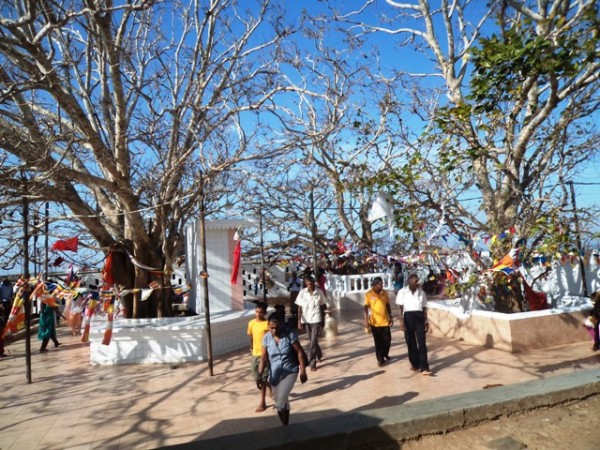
(280, 309)
(413, 281)
(377, 284)
(260, 311)
(309, 282)
(275, 324)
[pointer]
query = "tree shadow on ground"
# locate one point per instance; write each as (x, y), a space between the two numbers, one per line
(573, 363)
(338, 385)
(386, 401)
(443, 363)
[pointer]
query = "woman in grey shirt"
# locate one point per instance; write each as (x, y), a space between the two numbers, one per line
(285, 354)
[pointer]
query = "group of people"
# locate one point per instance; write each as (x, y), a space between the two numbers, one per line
(412, 316)
(48, 317)
(278, 357)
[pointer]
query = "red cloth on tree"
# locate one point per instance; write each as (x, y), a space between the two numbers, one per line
(537, 300)
(237, 257)
(107, 273)
(66, 244)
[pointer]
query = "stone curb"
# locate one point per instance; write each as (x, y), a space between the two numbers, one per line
(385, 428)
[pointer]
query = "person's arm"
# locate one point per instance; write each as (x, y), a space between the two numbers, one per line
(249, 333)
(261, 367)
(366, 317)
(401, 317)
(389, 311)
(299, 317)
(400, 304)
(298, 348)
(424, 302)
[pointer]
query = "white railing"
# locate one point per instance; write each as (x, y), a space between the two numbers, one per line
(345, 284)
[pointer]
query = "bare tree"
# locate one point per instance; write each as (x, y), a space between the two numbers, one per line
(340, 122)
(118, 110)
(516, 121)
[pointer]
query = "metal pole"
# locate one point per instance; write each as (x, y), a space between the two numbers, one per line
(204, 275)
(262, 254)
(46, 230)
(26, 288)
(578, 237)
(313, 230)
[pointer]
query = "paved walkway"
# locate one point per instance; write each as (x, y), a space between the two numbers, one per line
(73, 405)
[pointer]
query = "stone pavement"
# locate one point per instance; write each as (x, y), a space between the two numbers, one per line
(73, 405)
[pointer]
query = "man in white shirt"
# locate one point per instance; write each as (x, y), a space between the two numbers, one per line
(412, 306)
(311, 305)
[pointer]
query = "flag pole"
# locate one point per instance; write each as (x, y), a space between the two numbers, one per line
(26, 287)
(578, 240)
(204, 276)
(46, 230)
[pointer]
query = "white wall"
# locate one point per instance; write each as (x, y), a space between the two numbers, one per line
(223, 296)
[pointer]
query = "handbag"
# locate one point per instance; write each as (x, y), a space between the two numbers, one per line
(294, 355)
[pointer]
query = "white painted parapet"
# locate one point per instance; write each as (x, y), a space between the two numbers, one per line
(347, 292)
(168, 340)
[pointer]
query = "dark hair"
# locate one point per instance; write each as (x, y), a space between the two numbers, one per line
(413, 275)
(376, 280)
(309, 278)
(275, 317)
(262, 305)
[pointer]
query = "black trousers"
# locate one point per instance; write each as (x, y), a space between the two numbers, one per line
(414, 334)
(46, 340)
(314, 349)
(383, 340)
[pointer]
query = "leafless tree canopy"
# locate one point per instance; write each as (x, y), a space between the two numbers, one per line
(117, 110)
(114, 112)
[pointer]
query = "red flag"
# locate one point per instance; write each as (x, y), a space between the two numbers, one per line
(237, 257)
(107, 273)
(66, 244)
(537, 300)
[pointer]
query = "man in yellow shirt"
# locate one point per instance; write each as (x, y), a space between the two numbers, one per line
(257, 328)
(378, 318)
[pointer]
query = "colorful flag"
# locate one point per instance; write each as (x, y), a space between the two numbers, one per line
(66, 244)
(91, 306)
(16, 319)
(508, 263)
(109, 327)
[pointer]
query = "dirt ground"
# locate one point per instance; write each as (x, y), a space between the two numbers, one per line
(568, 427)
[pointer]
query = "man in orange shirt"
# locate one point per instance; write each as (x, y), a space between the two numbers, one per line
(378, 319)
